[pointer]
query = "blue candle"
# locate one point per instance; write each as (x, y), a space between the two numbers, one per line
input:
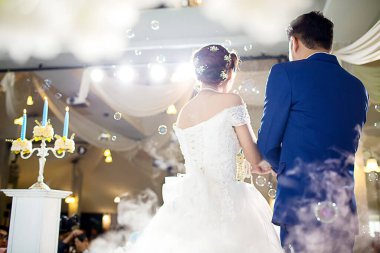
(45, 112)
(23, 128)
(66, 123)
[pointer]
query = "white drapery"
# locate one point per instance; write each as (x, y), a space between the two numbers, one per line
(11, 96)
(139, 100)
(89, 130)
(365, 50)
(362, 59)
(85, 128)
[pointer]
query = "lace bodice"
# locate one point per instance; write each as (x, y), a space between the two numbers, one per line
(210, 147)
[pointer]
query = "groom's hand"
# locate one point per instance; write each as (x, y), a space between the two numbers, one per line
(262, 168)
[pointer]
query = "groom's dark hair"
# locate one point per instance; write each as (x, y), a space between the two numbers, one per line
(313, 29)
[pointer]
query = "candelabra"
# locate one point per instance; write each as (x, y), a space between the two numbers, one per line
(43, 132)
(42, 153)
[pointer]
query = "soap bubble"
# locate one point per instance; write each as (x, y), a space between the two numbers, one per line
(113, 138)
(138, 52)
(155, 25)
(326, 212)
(248, 47)
(58, 96)
(160, 58)
(373, 176)
(162, 129)
(117, 116)
(272, 193)
(130, 34)
(47, 84)
(227, 43)
(260, 181)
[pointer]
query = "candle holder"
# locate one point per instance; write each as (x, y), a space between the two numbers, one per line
(43, 134)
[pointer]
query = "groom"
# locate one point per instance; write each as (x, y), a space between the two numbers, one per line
(313, 113)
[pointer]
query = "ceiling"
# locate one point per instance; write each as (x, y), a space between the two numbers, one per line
(184, 29)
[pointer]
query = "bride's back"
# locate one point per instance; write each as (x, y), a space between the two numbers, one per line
(205, 130)
(210, 126)
(204, 106)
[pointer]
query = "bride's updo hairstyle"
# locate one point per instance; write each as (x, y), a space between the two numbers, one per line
(213, 64)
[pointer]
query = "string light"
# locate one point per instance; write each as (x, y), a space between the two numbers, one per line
(70, 199)
(97, 75)
(107, 152)
(372, 166)
(108, 159)
(30, 101)
(116, 200)
(172, 110)
(18, 121)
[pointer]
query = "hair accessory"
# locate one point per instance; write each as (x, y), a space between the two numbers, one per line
(214, 48)
(227, 58)
(223, 75)
(196, 61)
(200, 69)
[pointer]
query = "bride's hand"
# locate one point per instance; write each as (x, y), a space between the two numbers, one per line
(262, 168)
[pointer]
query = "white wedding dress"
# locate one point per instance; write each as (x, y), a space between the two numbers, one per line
(207, 210)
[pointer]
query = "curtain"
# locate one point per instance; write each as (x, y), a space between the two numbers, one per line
(365, 50)
(369, 74)
(89, 130)
(140, 100)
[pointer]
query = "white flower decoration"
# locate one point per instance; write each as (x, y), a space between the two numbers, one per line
(227, 58)
(200, 69)
(214, 48)
(223, 75)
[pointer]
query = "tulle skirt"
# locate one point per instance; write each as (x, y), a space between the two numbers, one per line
(202, 215)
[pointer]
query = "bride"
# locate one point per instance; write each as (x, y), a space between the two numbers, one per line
(207, 210)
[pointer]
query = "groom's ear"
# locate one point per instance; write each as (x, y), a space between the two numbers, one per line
(295, 43)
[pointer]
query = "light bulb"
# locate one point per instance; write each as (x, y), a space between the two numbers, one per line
(107, 152)
(108, 159)
(372, 165)
(97, 75)
(70, 200)
(30, 101)
(157, 73)
(116, 200)
(172, 110)
(18, 121)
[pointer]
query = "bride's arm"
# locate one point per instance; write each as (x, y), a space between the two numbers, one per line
(248, 140)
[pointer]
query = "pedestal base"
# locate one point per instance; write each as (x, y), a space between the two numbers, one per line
(34, 220)
(39, 186)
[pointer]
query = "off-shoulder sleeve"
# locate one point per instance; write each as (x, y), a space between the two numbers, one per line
(239, 115)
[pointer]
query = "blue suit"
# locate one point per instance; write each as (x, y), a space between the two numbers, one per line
(313, 113)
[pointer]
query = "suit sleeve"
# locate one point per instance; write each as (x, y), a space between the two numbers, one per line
(276, 112)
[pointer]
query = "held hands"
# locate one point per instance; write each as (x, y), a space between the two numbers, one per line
(262, 168)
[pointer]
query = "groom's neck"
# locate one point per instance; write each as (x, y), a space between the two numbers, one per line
(309, 52)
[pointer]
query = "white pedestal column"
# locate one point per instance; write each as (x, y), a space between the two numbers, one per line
(35, 220)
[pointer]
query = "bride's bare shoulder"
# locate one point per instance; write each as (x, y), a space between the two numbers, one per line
(201, 109)
(230, 99)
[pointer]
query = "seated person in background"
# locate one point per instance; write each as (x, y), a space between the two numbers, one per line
(3, 238)
(74, 241)
(71, 238)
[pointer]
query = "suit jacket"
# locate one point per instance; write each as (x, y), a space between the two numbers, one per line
(313, 113)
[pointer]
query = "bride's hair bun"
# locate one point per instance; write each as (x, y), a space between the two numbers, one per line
(213, 63)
